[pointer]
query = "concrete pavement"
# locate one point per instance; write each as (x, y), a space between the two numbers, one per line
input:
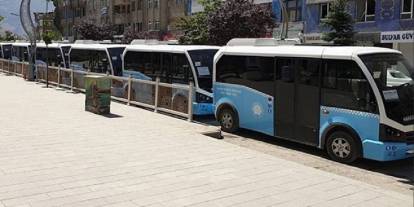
(53, 153)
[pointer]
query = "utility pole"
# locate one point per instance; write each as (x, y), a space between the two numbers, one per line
(285, 18)
(47, 41)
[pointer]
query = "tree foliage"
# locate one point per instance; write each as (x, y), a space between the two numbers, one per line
(58, 16)
(340, 24)
(9, 36)
(195, 27)
(239, 19)
(130, 35)
(90, 31)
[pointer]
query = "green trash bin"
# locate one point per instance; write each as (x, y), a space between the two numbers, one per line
(98, 94)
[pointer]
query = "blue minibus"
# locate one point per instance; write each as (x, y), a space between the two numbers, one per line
(96, 58)
(354, 102)
(55, 53)
(173, 64)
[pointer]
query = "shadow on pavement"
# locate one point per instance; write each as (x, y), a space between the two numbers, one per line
(403, 170)
(112, 116)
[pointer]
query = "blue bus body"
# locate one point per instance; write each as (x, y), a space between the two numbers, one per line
(304, 109)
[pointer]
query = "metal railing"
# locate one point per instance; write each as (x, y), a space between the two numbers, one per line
(174, 99)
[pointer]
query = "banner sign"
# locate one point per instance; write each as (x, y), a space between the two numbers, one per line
(397, 36)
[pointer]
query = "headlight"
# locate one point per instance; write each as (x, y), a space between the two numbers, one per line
(201, 98)
(388, 133)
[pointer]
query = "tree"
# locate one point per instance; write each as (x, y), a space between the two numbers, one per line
(48, 37)
(89, 30)
(1, 19)
(9, 36)
(238, 19)
(58, 16)
(195, 27)
(340, 24)
(130, 35)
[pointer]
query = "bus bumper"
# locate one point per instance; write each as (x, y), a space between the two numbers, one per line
(387, 151)
(203, 109)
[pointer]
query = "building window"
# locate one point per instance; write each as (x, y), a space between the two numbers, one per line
(149, 3)
(133, 6)
(365, 10)
(324, 10)
(157, 25)
(139, 5)
(407, 9)
(150, 25)
(156, 3)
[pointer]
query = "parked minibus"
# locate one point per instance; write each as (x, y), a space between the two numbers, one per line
(354, 102)
(5, 50)
(20, 51)
(97, 58)
(173, 64)
(55, 53)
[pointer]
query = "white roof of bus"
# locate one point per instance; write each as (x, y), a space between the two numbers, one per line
(21, 44)
(95, 46)
(335, 52)
(53, 45)
(169, 48)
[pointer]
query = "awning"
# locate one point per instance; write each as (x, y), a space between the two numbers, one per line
(318, 1)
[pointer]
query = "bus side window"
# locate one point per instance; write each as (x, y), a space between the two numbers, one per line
(166, 66)
(308, 70)
(285, 70)
(251, 71)
(180, 70)
(345, 86)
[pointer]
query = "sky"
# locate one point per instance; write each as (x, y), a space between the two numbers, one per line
(11, 22)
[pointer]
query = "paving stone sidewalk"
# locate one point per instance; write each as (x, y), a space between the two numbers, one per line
(53, 153)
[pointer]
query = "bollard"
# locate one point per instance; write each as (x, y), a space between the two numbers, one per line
(190, 102)
(157, 84)
(71, 80)
(129, 89)
(58, 78)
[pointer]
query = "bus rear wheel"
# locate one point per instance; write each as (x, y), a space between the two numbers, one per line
(342, 147)
(228, 120)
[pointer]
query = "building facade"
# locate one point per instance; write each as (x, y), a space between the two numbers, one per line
(155, 16)
(385, 23)
(44, 23)
(72, 12)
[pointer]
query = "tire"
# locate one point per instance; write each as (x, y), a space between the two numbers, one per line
(229, 121)
(342, 147)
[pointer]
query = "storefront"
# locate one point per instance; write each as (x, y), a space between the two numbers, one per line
(402, 41)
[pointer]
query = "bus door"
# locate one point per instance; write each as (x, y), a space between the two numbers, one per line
(297, 99)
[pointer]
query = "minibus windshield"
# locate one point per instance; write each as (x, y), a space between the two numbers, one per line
(203, 64)
(394, 77)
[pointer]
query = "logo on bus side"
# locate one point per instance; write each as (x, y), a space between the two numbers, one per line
(257, 109)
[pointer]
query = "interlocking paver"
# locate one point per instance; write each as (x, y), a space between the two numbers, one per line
(53, 153)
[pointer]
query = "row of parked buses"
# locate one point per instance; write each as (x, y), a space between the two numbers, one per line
(354, 102)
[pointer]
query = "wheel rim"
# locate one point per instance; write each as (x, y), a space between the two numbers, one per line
(227, 121)
(341, 147)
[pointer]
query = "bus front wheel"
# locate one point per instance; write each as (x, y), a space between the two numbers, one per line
(228, 120)
(342, 147)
